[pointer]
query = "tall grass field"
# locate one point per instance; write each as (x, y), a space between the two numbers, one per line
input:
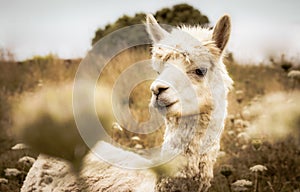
(259, 147)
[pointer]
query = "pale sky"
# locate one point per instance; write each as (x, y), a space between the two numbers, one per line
(65, 28)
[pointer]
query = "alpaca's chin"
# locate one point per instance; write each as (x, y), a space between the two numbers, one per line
(174, 110)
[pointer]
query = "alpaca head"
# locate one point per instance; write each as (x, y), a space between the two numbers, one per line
(189, 63)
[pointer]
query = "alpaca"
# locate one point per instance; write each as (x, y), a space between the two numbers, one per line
(190, 92)
(196, 53)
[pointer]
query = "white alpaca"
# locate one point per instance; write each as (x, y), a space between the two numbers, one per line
(190, 92)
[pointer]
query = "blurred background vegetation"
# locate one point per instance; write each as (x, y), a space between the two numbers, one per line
(252, 82)
(177, 15)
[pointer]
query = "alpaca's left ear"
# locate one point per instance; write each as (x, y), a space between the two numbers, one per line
(221, 32)
(155, 31)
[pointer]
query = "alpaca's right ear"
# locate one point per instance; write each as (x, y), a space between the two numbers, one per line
(155, 31)
(221, 32)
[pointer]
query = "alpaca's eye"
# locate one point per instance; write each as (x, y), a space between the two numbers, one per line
(201, 71)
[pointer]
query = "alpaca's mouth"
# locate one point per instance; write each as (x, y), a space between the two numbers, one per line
(162, 105)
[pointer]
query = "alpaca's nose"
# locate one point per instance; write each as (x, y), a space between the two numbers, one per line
(158, 87)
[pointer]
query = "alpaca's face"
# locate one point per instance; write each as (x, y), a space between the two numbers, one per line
(186, 61)
(182, 86)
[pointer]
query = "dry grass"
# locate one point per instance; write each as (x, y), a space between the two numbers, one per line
(251, 83)
(18, 79)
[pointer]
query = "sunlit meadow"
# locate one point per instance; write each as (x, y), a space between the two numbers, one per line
(260, 144)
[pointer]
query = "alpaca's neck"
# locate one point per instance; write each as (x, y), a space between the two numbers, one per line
(193, 139)
(194, 135)
(178, 134)
(181, 133)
